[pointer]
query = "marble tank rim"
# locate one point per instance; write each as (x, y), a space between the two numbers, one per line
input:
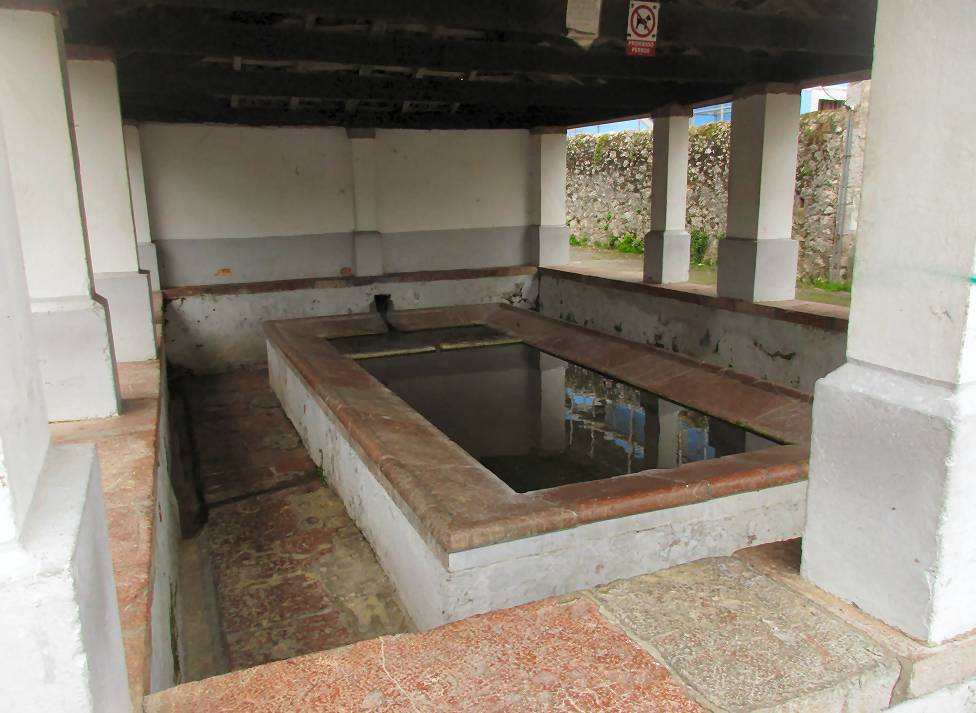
(456, 504)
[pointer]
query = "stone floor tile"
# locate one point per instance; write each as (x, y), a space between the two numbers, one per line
(139, 379)
(557, 655)
(927, 668)
(747, 643)
(288, 572)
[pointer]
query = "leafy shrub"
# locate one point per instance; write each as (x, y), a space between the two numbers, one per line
(699, 246)
(630, 244)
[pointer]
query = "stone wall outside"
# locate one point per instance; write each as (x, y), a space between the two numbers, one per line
(608, 186)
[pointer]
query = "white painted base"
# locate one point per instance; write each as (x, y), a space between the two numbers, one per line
(547, 245)
(149, 262)
(889, 518)
(667, 254)
(210, 334)
(512, 573)
(130, 309)
(757, 270)
(368, 247)
(62, 641)
(74, 350)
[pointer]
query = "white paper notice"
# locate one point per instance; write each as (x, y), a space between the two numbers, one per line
(583, 21)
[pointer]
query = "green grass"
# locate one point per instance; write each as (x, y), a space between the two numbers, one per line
(829, 285)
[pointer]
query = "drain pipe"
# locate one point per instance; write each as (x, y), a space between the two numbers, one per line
(383, 303)
(845, 177)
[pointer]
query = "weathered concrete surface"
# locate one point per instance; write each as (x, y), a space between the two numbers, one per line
(210, 333)
(746, 643)
(783, 352)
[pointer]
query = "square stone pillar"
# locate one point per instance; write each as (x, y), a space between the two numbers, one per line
(757, 261)
(108, 207)
(548, 234)
(367, 240)
(890, 512)
(71, 326)
(145, 247)
(667, 247)
(59, 617)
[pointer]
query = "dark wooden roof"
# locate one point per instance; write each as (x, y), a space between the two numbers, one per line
(454, 64)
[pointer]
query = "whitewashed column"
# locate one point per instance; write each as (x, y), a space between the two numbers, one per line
(367, 240)
(71, 325)
(890, 514)
(548, 236)
(107, 203)
(59, 618)
(757, 259)
(667, 247)
(145, 247)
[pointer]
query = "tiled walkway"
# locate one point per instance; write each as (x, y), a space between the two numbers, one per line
(742, 633)
(291, 573)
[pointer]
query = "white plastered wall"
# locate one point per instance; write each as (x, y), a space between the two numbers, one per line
(24, 435)
(444, 180)
(102, 165)
(36, 123)
(108, 208)
(140, 210)
(442, 200)
(892, 492)
(219, 182)
(71, 327)
(59, 620)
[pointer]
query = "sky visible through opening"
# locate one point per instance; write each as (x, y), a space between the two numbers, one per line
(809, 101)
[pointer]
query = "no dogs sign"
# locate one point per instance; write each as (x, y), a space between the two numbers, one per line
(642, 28)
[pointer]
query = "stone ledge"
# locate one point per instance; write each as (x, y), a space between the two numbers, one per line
(463, 505)
(321, 283)
(127, 458)
(832, 318)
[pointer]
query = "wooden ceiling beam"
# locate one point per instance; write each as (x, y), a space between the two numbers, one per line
(224, 80)
(168, 32)
(679, 24)
(137, 107)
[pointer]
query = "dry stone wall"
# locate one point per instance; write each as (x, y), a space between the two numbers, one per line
(608, 191)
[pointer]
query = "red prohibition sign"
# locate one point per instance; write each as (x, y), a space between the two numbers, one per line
(642, 21)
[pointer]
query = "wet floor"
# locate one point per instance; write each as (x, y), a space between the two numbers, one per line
(279, 570)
